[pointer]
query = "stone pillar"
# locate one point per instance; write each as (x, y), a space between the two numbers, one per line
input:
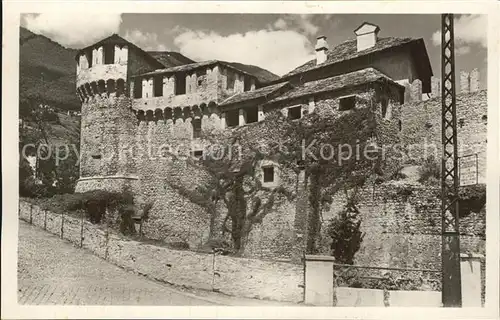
(435, 87)
(470, 268)
(252, 84)
(132, 88)
(223, 120)
(474, 80)
(94, 56)
(100, 55)
(416, 90)
(312, 105)
(405, 83)
(284, 111)
(318, 286)
(260, 113)
(242, 117)
(464, 81)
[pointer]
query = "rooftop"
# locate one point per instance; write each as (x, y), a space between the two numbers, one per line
(351, 79)
(348, 50)
(263, 92)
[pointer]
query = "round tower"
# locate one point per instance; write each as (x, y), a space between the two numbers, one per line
(107, 122)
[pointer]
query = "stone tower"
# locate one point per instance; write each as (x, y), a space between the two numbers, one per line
(108, 123)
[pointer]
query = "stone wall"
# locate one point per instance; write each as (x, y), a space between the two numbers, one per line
(421, 127)
(234, 276)
(402, 226)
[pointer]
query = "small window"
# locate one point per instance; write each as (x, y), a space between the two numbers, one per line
(198, 154)
(96, 156)
(400, 125)
(109, 54)
(252, 114)
(200, 82)
(230, 80)
(347, 103)
(196, 128)
(232, 118)
(268, 173)
(485, 119)
(138, 88)
(247, 86)
(295, 113)
(180, 84)
(158, 86)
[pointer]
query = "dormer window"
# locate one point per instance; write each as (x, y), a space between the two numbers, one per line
(347, 103)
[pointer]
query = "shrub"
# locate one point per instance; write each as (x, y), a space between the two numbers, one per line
(344, 230)
(429, 171)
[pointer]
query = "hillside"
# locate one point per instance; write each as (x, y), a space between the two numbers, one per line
(47, 71)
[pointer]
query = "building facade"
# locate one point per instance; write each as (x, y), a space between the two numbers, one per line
(136, 104)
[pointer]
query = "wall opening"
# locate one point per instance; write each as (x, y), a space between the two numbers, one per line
(232, 118)
(158, 86)
(109, 54)
(196, 123)
(180, 83)
(400, 124)
(295, 113)
(231, 78)
(268, 174)
(247, 85)
(138, 88)
(252, 114)
(347, 103)
(88, 55)
(386, 114)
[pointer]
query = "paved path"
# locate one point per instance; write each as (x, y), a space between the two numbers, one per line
(52, 271)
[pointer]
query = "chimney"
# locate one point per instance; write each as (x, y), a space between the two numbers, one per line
(366, 36)
(321, 50)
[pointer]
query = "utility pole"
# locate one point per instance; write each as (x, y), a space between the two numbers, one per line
(451, 292)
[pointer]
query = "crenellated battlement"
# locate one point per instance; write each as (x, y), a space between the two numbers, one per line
(184, 114)
(90, 91)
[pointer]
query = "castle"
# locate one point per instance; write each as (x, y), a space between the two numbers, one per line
(148, 99)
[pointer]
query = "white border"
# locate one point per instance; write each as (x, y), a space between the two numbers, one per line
(10, 74)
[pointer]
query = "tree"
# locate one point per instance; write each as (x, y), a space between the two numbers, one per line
(229, 179)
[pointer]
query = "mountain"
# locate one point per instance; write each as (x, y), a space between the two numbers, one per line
(47, 71)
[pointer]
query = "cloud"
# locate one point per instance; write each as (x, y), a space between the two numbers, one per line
(278, 51)
(469, 29)
(303, 23)
(145, 40)
(73, 29)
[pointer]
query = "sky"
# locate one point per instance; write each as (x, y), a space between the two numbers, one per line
(276, 42)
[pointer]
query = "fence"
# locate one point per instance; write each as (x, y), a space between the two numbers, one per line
(250, 278)
(331, 284)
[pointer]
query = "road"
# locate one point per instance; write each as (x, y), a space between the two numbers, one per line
(52, 271)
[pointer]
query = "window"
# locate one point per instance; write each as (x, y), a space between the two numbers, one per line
(88, 54)
(138, 88)
(230, 80)
(268, 173)
(295, 113)
(180, 84)
(347, 103)
(196, 128)
(385, 108)
(96, 156)
(232, 118)
(157, 86)
(109, 54)
(461, 122)
(247, 86)
(400, 125)
(252, 114)
(198, 154)
(485, 119)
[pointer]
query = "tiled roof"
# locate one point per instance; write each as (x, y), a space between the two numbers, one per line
(348, 50)
(170, 58)
(334, 83)
(192, 66)
(255, 94)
